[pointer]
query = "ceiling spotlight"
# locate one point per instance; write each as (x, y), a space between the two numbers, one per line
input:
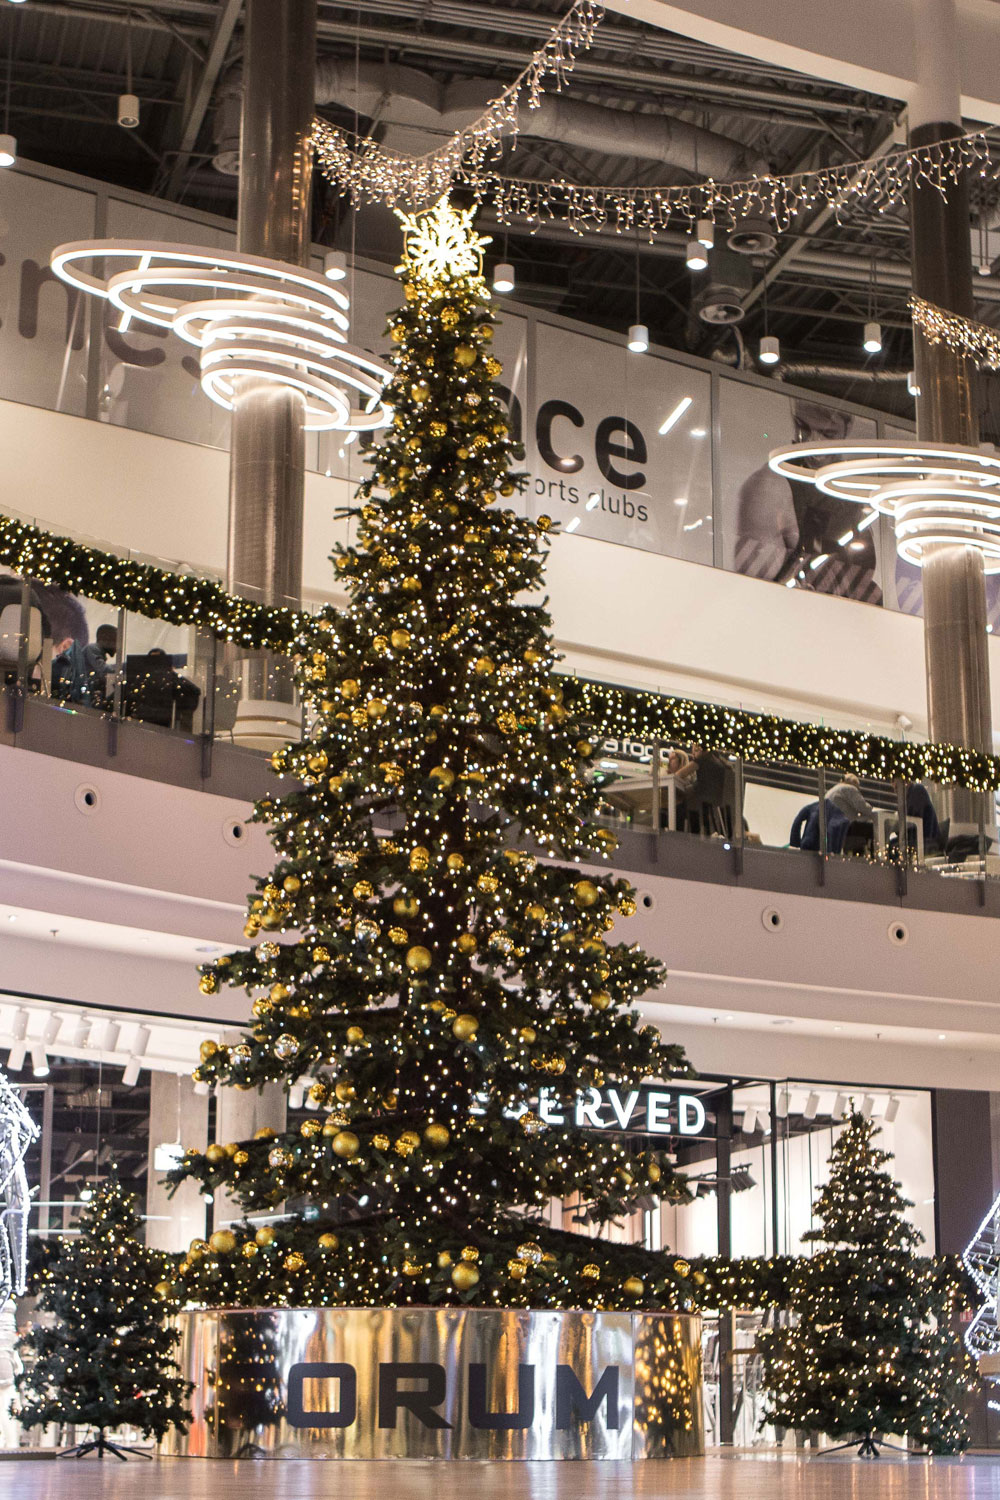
(812, 1107)
(867, 1105)
(891, 1109)
(19, 1025)
(749, 1119)
(112, 1032)
(141, 1040)
(81, 1036)
(130, 1077)
(696, 255)
(503, 277)
(839, 1107)
(638, 338)
(39, 1061)
(782, 1100)
(770, 350)
(873, 338)
(128, 111)
(52, 1029)
(335, 265)
(8, 151)
(704, 233)
(16, 1056)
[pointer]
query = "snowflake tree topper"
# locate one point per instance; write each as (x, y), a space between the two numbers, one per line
(17, 1131)
(440, 243)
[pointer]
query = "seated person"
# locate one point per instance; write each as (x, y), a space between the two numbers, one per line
(157, 694)
(78, 673)
(919, 805)
(712, 809)
(846, 795)
(805, 828)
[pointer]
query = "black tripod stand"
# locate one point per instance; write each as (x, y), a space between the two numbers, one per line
(868, 1446)
(100, 1445)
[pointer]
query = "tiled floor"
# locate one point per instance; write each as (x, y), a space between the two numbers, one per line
(732, 1476)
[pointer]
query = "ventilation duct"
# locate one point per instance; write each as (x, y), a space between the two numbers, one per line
(417, 112)
(719, 299)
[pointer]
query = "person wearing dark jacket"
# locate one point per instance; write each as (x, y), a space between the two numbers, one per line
(805, 829)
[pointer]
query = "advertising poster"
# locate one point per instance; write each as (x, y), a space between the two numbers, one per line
(620, 445)
(787, 531)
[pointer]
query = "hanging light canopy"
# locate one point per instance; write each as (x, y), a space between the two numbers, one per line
(335, 265)
(704, 233)
(638, 338)
(769, 352)
(503, 277)
(872, 343)
(696, 255)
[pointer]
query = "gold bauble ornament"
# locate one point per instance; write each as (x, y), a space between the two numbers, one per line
(627, 906)
(321, 955)
(420, 858)
(397, 333)
(346, 1144)
(534, 912)
(362, 890)
(411, 585)
(517, 1269)
(265, 1133)
(354, 1035)
(420, 391)
(437, 1136)
(590, 1272)
(278, 1158)
(600, 1000)
(163, 1289)
(240, 1158)
(215, 1154)
(377, 708)
(633, 1286)
(418, 959)
(466, 942)
(682, 1268)
(318, 762)
(400, 640)
(408, 906)
(584, 748)
(264, 1236)
(223, 1242)
(654, 1172)
(444, 1259)
(528, 1034)
(295, 1261)
(544, 523)
(208, 1050)
(279, 992)
(464, 356)
(398, 935)
(208, 984)
(381, 1142)
(350, 688)
(328, 1242)
(443, 775)
(484, 666)
(530, 1252)
(455, 862)
(585, 893)
(470, 1254)
(291, 884)
(380, 643)
(465, 1027)
(249, 1250)
(345, 1091)
(465, 1277)
(487, 883)
(286, 1046)
(412, 1268)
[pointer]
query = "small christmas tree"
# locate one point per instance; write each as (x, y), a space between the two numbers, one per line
(435, 973)
(108, 1361)
(874, 1349)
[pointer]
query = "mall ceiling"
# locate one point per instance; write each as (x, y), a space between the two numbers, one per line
(69, 59)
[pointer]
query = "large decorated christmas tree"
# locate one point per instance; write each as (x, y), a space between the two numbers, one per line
(106, 1360)
(434, 947)
(874, 1349)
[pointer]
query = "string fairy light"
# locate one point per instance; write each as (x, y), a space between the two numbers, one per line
(976, 341)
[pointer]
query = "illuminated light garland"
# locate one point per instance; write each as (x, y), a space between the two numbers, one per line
(613, 712)
(144, 589)
(372, 173)
(981, 1259)
(977, 341)
(367, 175)
(284, 323)
(933, 492)
(17, 1131)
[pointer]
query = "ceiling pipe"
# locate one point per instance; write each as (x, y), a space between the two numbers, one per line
(408, 100)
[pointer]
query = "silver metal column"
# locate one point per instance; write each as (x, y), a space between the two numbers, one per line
(955, 642)
(267, 462)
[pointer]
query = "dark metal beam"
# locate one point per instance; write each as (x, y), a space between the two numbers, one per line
(201, 97)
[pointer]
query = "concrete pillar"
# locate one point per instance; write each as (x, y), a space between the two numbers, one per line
(239, 1115)
(267, 455)
(176, 1113)
(954, 586)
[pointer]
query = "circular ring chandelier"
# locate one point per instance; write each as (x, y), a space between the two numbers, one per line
(248, 317)
(935, 493)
